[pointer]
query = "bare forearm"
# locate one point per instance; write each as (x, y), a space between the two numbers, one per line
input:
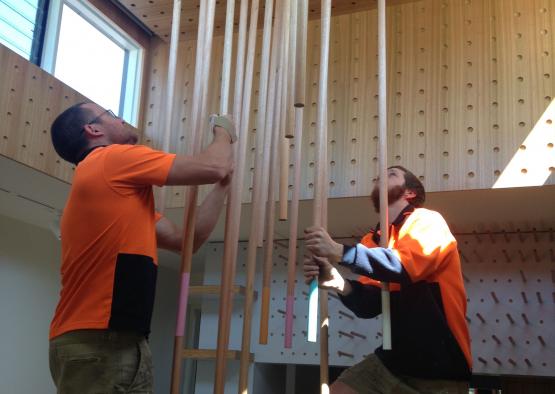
(208, 214)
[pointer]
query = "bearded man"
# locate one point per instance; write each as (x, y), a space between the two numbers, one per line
(430, 340)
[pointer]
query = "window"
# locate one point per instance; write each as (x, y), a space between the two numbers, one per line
(89, 53)
(22, 27)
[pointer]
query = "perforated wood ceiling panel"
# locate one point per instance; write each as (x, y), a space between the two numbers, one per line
(157, 14)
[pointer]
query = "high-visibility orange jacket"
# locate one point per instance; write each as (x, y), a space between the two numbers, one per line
(430, 337)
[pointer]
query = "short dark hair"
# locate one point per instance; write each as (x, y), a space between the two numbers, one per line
(67, 138)
(413, 183)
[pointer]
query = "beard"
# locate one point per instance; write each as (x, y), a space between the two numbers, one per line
(394, 194)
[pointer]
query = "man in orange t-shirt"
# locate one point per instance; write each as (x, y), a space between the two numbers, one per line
(430, 340)
(110, 233)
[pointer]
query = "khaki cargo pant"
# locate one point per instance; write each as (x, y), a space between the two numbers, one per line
(101, 362)
(370, 376)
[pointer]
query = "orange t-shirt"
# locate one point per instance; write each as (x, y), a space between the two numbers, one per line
(108, 233)
(428, 252)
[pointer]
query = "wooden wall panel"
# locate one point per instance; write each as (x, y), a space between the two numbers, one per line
(468, 81)
(30, 100)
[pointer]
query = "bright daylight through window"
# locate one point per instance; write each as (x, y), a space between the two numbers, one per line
(90, 54)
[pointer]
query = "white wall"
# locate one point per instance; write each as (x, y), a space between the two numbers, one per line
(29, 288)
(29, 261)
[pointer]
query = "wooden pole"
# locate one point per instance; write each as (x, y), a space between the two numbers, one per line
(270, 203)
(299, 57)
(286, 113)
(293, 231)
(320, 197)
(300, 72)
(226, 61)
(257, 205)
(233, 216)
(240, 65)
(382, 155)
(321, 183)
(170, 90)
(269, 122)
(202, 71)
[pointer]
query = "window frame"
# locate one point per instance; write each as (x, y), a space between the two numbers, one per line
(134, 53)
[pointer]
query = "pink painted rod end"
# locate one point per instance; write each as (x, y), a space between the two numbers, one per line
(182, 307)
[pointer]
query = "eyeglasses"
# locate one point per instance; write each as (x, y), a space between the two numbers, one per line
(95, 120)
(107, 112)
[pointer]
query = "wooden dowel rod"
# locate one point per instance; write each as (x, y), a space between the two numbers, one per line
(528, 363)
(170, 92)
(494, 296)
(240, 64)
(233, 214)
(202, 70)
(343, 354)
(300, 66)
(270, 203)
(346, 334)
(268, 122)
(347, 315)
(524, 298)
(291, 76)
(283, 141)
(293, 228)
(226, 58)
(356, 334)
(321, 181)
(382, 155)
(256, 202)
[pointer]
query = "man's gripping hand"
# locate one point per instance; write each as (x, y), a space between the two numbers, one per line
(319, 243)
(225, 122)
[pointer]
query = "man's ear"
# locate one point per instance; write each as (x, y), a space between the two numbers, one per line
(92, 131)
(409, 194)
